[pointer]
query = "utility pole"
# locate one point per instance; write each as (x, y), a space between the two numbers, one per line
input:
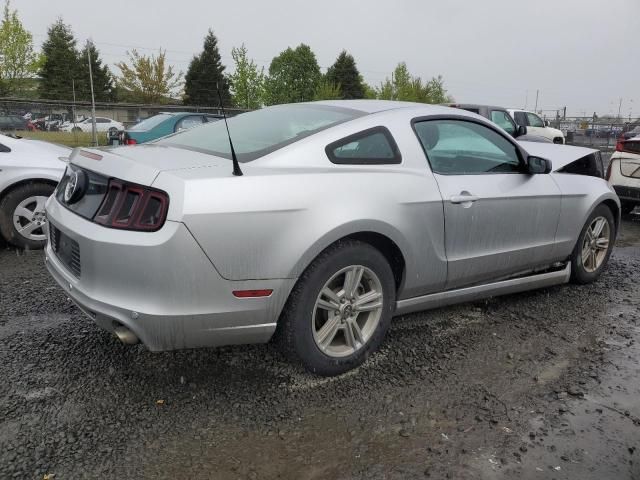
(73, 109)
(619, 108)
(537, 94)
(94, 132)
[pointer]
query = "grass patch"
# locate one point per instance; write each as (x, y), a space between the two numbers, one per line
(70, 139)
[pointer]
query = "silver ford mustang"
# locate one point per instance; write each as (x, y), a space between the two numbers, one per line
(321, 223)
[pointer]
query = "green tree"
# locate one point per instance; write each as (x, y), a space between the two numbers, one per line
(60, 63)
(328, 90)
(148, 79)
(247, 82)
(345, 73)
(294, 76)
(103, 87)
(205, 75)
(18, 61)
(405, 87)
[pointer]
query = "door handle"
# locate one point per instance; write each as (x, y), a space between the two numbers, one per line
(463, 198)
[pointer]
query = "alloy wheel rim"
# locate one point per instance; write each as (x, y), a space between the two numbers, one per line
(29, 218)
(595, 244)
(347, 311)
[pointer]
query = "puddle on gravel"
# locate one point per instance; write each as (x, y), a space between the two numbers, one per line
(595, 436)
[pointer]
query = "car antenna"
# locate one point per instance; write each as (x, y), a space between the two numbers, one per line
(236, 166)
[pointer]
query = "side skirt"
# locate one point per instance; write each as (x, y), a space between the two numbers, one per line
(468, 294)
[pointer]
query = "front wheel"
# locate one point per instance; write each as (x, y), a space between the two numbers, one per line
(340, 309)
(594, 246)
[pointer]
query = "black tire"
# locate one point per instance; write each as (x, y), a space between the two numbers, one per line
(295, 330)
(579, 273)
(627, 207)
(7, 207)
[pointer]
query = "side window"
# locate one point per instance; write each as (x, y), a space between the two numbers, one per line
(459, 147)
(102, 120)
(535, 120)
(189, 122)
(504, 121)
(4, 148)
(212, 119)
(374, 146)
(521, 119)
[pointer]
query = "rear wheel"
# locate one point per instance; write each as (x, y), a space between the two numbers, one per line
(339, 311)
(594, 246)
(22, 215)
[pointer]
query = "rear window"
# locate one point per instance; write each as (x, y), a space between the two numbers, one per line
(149, 123)
(261, 132)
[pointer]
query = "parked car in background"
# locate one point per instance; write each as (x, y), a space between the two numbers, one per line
(103, 124)
(623, 173)
(11, 123)
(29, 172)
(337, 216)
(628, 133)
(536, 126)
(501, 117)
(164, 124)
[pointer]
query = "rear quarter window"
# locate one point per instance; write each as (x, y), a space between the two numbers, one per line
(374, 146)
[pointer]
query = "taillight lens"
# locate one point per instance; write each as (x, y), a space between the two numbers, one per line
(620, 144)
(132, 207)
(130, 141)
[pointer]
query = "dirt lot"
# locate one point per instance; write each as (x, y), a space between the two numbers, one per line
(537, 385)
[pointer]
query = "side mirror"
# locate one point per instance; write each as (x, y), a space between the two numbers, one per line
(546, 123)
(536, 165)
(522, 130)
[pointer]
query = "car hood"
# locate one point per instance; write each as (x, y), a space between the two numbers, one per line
(560, 155)
(143, 163)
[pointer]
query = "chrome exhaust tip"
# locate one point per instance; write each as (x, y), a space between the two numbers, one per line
(125, 335)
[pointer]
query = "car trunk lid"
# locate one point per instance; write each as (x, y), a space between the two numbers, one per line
(142, 164)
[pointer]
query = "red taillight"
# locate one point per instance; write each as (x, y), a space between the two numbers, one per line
(620, 144)
(132, 207)
(130, 141)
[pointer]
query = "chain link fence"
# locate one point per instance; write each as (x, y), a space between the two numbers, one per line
(45, 119)
(593, 131)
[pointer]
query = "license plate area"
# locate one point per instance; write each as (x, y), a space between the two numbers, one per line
(66, 249)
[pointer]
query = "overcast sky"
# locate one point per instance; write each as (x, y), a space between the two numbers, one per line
(578, 53)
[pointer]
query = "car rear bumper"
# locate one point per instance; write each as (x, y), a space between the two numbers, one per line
(627, 193)
(161, 286)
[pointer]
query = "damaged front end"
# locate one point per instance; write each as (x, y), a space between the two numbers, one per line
(569, 159)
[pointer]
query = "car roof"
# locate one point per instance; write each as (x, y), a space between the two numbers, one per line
(474, 105)
(376, 106)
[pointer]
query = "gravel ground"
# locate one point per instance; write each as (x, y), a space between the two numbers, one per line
(537, 385)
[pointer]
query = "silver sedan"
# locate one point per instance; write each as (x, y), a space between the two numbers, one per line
(321, 223)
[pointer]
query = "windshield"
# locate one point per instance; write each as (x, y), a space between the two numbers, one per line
(261, 132)
(149, 123)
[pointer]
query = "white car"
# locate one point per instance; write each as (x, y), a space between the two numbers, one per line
(623, 173)
(29, 173)
(536, 126)
(103, 124)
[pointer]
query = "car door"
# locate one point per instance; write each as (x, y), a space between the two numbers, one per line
(504, 121)
(499, 220)
(535, 125)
